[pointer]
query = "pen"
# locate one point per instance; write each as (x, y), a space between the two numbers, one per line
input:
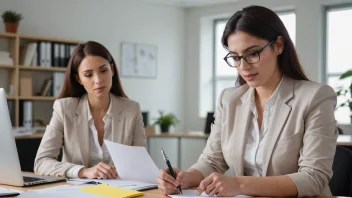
(171, 170)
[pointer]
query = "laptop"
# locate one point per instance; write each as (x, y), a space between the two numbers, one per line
(10, 169)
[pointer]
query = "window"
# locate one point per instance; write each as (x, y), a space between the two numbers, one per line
(225, 76)
(338, 54)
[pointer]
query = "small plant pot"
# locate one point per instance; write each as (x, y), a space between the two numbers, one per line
(164, 128)
(11, 27)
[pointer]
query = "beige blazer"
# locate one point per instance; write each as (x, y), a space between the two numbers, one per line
(302, 136)
(68, 129)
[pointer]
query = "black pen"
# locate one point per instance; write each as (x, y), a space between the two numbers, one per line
(171, 170)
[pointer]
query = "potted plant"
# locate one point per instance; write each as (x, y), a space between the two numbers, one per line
(11, 20)
(346, 92)
(165, 121)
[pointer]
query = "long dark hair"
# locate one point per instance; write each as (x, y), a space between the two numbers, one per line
(71, 87)
(263, 23)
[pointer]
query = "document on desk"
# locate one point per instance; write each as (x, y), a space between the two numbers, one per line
(64, 191)
(133, 163)
(5, 192)
(193, 194)
(130, 185)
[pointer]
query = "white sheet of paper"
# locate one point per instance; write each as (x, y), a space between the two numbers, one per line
(59, 192)
(133, 163)
(131, 185)
(7, 191)
(193, 193)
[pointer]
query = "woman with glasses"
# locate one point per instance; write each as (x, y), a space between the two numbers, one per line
(276, 132)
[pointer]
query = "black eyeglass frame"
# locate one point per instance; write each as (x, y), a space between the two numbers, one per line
(244, 55)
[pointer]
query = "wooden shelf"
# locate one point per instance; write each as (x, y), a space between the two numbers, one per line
(11, 97)
(40, 38)
(39, 98)
(16, 72)
(8, 35)
(38, 68)
(7, 66)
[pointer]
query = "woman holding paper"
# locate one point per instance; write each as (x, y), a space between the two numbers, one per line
(276, 132)
(92, 107)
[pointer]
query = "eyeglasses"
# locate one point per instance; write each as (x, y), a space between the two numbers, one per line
(250, 57)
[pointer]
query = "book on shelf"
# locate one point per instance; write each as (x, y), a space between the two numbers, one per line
(45, 90)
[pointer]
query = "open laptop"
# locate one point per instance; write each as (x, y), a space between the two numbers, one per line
(10, 169)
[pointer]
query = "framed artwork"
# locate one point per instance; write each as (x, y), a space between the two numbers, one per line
(139, 60)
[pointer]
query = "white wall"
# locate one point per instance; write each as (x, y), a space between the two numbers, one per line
(112, 22)
(309, 42)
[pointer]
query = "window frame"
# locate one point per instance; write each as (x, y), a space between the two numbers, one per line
(214, 77)
(327, 9)
(325, 74)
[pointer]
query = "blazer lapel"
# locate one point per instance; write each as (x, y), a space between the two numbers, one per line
(280, 114)
(82, 130)
(118, 121)
(240, 130)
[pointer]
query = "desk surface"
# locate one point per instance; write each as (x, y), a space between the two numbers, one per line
(155, 193)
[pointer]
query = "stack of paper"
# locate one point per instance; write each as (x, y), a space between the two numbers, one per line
(111, 192)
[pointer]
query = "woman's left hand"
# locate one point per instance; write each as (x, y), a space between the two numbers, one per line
(219, 185)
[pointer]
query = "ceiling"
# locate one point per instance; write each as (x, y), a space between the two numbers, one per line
(189, 3)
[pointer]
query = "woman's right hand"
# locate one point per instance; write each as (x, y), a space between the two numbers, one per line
(99, 171)
(168, 185)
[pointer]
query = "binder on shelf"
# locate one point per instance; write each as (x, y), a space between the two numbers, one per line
(27, 114)
(55, 54)
(41, 54)
(58, 83)
(48, 54)
(62, 55)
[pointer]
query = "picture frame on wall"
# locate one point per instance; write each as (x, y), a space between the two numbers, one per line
(139, 60)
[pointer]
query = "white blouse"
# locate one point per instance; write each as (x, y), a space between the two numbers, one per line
(97, 153)
(256, 138)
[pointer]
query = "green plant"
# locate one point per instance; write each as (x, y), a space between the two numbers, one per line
(345, 92)
(166, 119)
(11, 16)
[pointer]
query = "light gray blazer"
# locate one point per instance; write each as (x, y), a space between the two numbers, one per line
(302, 134)
(68, 129)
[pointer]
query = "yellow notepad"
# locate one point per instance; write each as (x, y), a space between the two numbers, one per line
(111, 192)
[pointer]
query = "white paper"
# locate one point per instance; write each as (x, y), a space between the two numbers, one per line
(7, 191)
(133, 163)
(59, 192)
(193, 193)
(131, 185)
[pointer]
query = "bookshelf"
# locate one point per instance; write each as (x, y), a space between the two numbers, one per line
(12, 43)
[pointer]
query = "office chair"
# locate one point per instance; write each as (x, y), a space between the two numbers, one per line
(341, 182)
(210, 120)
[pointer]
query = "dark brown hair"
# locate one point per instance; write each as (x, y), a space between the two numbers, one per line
(71, 87)
(263, 23)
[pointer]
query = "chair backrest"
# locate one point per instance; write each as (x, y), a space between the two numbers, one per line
(341, 182)
(210, 120)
